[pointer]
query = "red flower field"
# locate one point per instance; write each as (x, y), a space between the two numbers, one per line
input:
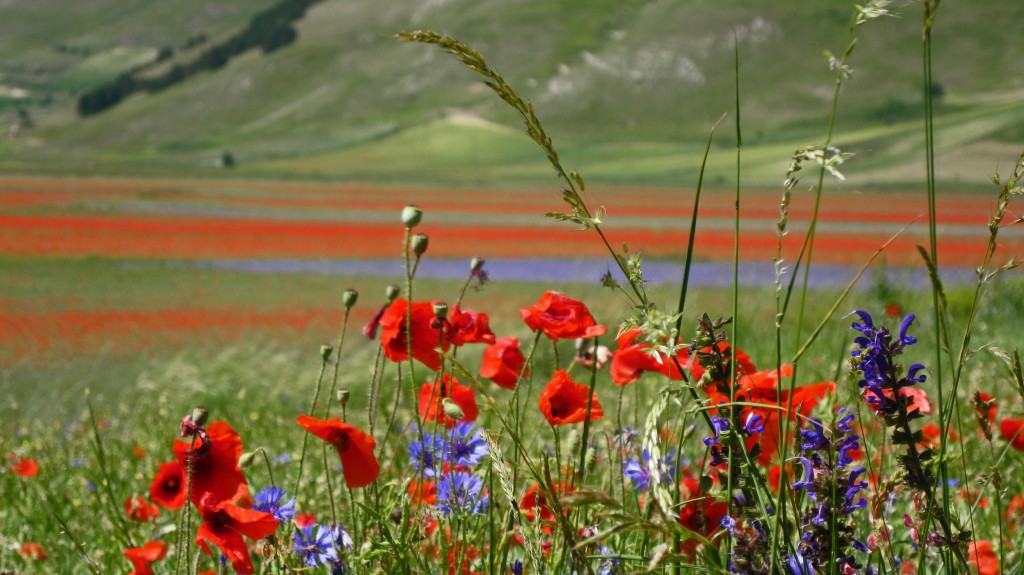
(165, 220)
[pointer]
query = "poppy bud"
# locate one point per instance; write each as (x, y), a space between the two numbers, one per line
(452, 409)
(419, 244)
(349, 298)
(325, 351)
(200, 415)
(411, 216)
(246, 459)
(392, 292)
(440, 310)
(343, 395)
(476, 264)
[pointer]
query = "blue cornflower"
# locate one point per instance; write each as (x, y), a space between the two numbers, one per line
(315, 549)
(728, 523)
(608, 565)
(461, 492)
(269, 500)
(639, 473)
(516, 567)
(465, 446)
(425, 456)
(341, 536)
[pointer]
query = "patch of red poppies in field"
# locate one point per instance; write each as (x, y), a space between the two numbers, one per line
(209, 237)
(32, 334)
(36, 219)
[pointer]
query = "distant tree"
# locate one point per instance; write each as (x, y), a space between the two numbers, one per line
(227, 160)
(278, 38)
(937, 91)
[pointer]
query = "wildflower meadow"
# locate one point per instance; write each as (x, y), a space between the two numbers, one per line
(615, 428)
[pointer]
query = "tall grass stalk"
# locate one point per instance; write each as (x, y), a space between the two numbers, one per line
(735, 283)
(574, 186)
(930, 7)
(841, 72)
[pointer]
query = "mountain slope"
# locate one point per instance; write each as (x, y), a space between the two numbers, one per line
(604, 75)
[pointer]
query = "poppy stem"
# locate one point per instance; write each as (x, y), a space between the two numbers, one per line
(330, 490)
(581, 467)
(337, 364)
(305, 435)
(266, 460)
(514, 404)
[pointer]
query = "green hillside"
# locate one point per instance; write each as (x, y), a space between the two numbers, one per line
(628, 89)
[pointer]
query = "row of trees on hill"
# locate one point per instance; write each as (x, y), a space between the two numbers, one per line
(268, 30)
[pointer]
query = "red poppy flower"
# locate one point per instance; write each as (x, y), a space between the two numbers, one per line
(930, 435)
(503, 361)
(432, 394)
(168, 487)
(745, 364)
(469, 327)
(774, 474)
(631, 360)
(701, 514)
(224, 524)
(1013, 514)
(355, 448)
(425, 337)
(1012, 430)
(23, 467)
(303, 520)
(764, 387)
(918, 396)
(534, 502)
(561, 317)
(138, 452)
(993, 407)
(138, 509)
(141, 557)
(565, 401)
(215, 469)
(32, 550)
(983, 558)
(423, 493)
